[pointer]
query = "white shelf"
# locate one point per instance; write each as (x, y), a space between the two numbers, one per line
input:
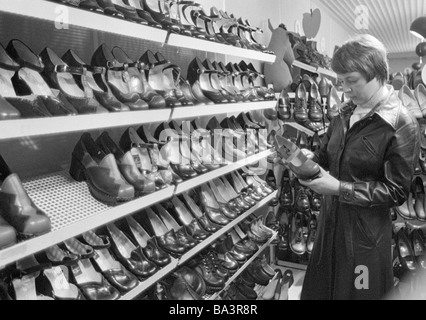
(199, 111)
(189, 255)
(225, 229)
(304, 129)
(52, 11)
(318, 70)
(72, 211)
(191, 184)
(236, 275)
(304, 66)
(55, 125)
(177, 40)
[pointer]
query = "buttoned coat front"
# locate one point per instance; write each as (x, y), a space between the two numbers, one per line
(375, 161)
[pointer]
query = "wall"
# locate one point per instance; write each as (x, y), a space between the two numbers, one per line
(399, 64)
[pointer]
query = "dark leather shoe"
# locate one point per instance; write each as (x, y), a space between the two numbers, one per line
(116, 78)
(246, 291)
(109, 9)
(419, 248)
(60, 76)
(206, 269)
(90, 5)
(7, 234)
(100, 171)
(17, 208)
(405, 252)
(315, 112)
(143, 185)
(300, 107)
(86, 81)
(130, 256)
(189, 284)
(148, 244)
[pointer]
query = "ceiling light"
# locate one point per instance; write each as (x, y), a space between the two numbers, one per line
(418, 27)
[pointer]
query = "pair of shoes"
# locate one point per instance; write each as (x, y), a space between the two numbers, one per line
(414, 207)
(171, 237)
(25, 93)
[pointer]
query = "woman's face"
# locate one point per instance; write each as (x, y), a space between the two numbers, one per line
(356, 87)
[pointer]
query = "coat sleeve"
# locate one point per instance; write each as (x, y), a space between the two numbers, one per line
(400, 161)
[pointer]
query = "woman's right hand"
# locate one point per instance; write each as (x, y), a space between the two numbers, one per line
(308, 153)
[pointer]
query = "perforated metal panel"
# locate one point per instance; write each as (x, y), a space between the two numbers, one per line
(64, 200)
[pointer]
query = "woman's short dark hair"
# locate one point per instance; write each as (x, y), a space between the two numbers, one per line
(364, 54)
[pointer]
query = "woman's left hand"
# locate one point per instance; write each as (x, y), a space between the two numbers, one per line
(326, 185)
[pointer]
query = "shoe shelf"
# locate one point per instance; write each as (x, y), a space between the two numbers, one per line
(312, 69)
(19, 128)
(73, 211)
(197, 181)
(237, 274)
(189, 255)
(210, 46)
(309, 132)
(42, 9)
(51, 11)
(55, 125)
(199, 111)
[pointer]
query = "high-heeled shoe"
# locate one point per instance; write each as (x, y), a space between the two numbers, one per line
(129, 255)
(419, 248)
(139, 83)
(116, 78)
(210, 201)
(17, 208)
(217, 85)
(60, 76)
(333, 104)
(87, 83)
(242, 187)
(131, 142)
(199, 75)
(405, 251)
(161, 82)
(109, 8)
(166, 238)
(301, 166)
(186, 149)
(202, 218)
(192, 225)
(297, 240)
(244, 195)
(240, 81)
(182, 234)
(315, 113)
(225, 200)
(163, 164)
(148, 244)
(160, 12)
(226, 140)
(226, 81)
(113, 270)
(173, 152)
(126, 163)
(300, 113)
(129, 12)
(211, 208)
(106, 184)
(34, 97)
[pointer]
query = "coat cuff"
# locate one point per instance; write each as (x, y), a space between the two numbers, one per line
(347, 192)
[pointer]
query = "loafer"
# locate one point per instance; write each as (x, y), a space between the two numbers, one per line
(17, 208)
(100, 171)
(7, 234)
(188, 278)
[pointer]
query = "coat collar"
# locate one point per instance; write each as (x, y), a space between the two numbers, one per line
(388, 108)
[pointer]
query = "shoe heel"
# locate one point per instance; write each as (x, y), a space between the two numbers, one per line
(77, 170)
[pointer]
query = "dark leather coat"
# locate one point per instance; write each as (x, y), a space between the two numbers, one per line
(375, 161)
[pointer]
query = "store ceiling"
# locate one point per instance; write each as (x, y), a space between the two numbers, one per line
(388, 20)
